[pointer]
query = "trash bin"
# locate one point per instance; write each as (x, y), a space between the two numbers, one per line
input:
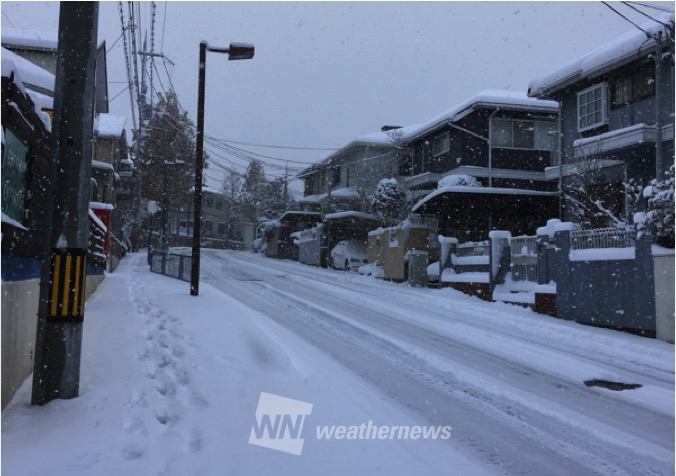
(417, 268)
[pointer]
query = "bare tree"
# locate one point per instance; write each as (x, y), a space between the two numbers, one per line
(593, 197)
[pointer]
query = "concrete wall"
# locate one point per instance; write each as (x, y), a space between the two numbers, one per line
(606, 292)
(664, 296)
(19, 325)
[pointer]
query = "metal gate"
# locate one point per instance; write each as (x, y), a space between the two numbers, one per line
(524, 258)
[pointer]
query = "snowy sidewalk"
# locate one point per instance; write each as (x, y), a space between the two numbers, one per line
(170, 384)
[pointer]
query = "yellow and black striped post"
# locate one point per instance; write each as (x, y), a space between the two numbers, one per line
(67, 284)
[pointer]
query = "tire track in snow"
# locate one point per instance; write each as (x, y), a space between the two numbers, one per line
(557, 442)
(658, 376)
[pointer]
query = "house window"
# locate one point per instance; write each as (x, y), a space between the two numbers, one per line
(221, 229)
(441, 144)
(15, 159)
(520, 134)
(592, 107)
(219, 204)
(634, 86)
(209, 202)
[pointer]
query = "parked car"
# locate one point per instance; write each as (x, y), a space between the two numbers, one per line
(349, 255)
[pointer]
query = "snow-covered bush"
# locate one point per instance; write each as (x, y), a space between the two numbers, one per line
(658, 220)
(388, 201)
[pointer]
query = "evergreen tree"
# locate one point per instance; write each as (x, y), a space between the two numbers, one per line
(389, 201)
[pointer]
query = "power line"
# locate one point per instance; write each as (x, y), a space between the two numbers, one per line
(10, 21)
(627, 19)
(279, 146)
(645, 14)
(654, 7)
(164, 24)
(128, 65)
(114, 43)
(118, 94)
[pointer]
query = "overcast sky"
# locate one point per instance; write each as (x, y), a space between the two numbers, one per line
(325, 73)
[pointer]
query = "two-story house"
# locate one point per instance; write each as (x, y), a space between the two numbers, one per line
(617, 121)
(481, 165)
(344, 180)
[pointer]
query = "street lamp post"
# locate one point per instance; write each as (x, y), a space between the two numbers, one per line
(236, 51)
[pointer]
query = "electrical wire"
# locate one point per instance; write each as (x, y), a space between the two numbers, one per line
(645, 14)
(627, 19)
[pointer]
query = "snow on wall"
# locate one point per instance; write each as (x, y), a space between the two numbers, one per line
(603, 254)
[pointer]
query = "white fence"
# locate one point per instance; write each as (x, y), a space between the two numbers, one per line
(601, 238)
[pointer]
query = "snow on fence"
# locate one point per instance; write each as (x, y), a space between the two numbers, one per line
(602, 238)
(96, 252)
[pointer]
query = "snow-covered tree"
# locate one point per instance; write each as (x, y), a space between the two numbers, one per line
(659, 217)
(389, 201)
(592, 201)
(167, 154)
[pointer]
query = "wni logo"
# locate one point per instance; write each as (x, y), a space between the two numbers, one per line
(279, 423)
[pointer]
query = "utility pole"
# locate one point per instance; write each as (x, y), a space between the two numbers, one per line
(58, 343)
(286, 182)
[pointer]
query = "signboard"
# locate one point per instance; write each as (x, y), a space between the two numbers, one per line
(14, 176)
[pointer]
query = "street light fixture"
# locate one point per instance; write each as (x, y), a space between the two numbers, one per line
(236, 51)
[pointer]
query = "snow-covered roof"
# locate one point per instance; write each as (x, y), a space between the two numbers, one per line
(97, 164)
(30, 73)
(310, 199)
(109, 125)
(350, 214)
(512, 100)
(348, 192)
(376, 139)
(480, 190)
(627, 47)
(46, 40)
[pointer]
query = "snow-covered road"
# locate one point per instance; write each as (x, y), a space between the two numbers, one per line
(509, 381)
(170, 383)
